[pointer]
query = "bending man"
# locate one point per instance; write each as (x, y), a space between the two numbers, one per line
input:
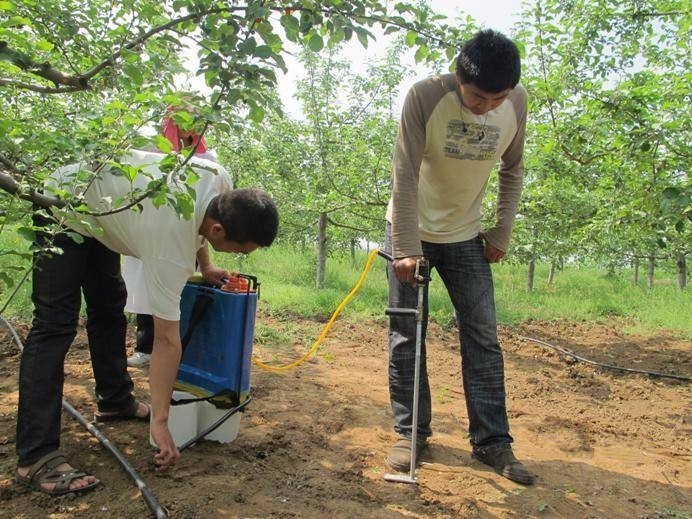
(167, 244)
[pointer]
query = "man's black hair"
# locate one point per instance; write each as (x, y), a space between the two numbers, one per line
(246, 215)
(490, 61)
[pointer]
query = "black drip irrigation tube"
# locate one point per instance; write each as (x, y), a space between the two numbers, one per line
(157, 510)
(215, 425)
(656, 374)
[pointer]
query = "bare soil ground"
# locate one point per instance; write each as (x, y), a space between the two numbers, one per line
(313, 442)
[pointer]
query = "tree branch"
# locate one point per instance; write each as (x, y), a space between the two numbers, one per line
(38, 88)
(344, 226)
(77, 82)
(652, 14)
(44, 70)
(9, 184)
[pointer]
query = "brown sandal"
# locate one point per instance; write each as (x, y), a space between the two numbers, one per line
(45, 471)
(129, 413)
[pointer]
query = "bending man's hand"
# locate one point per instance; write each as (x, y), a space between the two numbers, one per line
(214, 275)
(162, 370)
(405, 269)
(168, 453)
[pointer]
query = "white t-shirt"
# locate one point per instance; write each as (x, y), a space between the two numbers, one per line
(165, 242)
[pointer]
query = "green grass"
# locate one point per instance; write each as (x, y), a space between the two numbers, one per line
(590, 295)
(577, 294)
(19, 305)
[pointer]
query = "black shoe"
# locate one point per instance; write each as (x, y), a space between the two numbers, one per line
(501, 458)
(399, 456)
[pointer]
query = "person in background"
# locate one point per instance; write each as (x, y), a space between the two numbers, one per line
(454, 129)
(132, 270)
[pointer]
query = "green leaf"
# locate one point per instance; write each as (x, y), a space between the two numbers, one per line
(336, 37)
(163, 144)
(17, 21)
(133, 72)
(256, 114)
(184, 205)
(76, 237)
(44, 45)
(27, 233)
(316, 43)
(291, 25)
(263, 51)
(362, 36)
(7, 279)
(421, 53)
(130, 172)
(6, 6)
(671, 192)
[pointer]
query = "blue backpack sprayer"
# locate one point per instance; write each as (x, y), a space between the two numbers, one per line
(217, 331)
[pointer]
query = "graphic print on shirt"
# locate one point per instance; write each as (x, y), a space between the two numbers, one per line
(470, 141)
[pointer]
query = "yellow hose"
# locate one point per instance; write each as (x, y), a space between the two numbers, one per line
(325, 330)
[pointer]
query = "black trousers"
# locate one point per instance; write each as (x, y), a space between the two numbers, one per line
(58, 282)
(145, 333)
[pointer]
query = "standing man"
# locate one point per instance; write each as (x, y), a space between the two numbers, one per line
(454, 129)
(168, 245)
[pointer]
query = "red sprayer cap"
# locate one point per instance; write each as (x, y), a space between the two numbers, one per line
(236, 284)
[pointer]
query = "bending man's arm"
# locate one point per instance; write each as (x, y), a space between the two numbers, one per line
(211, 274)
(165, 360)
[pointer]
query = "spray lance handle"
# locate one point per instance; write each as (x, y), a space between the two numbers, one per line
(422, 272)
(421, 276)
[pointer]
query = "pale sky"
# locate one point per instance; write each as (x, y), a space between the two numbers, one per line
(495, 14)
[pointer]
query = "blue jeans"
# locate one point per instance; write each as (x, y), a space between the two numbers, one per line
(58, 283)
(467, 276)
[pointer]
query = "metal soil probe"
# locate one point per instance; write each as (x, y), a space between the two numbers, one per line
(421, 276)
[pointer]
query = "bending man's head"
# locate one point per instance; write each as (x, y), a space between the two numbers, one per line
(241, 220)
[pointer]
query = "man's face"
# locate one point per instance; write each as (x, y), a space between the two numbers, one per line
(233, 246)
(479, 101)
(216, 236)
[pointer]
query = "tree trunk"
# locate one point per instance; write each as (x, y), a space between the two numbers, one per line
(611, 270)
(551, 272)
(321, 249)
(530, 275)
(682, 271)
(650, 273)
(353, 252)
(635, 266)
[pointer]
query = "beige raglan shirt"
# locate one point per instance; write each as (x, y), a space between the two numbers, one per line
(442, 161)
